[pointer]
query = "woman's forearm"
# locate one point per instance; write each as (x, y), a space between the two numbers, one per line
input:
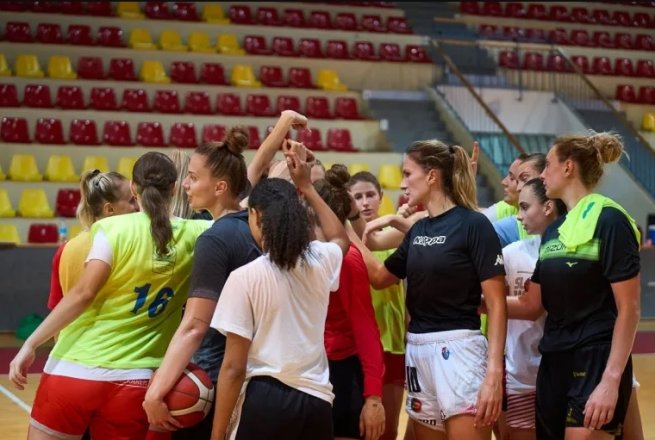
(497, 319)
(228, 388)
(623, 338)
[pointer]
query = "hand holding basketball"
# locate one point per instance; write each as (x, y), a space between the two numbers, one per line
(191, 398)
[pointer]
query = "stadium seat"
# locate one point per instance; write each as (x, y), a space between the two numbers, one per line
(623, 66)
(150, 134)
(122, 69)
(346, 21)
(645, 69)
(559, 13)
(390, 176)
(602, 39)
(253, 137)
(390, 52)
(18, 32)
(268, 16)
(28, 66)
(23, 168)
(259, 105)
(4, 67)
(214, 14)
(83, 132)
(536, 35)
(580, 38)
(199, 42)
(373, 23)
(9, 234)
(644, 42)
(197, 103)
(183, 135)
(37, 95)
(170, 41)
(301, 78)
(602, 16)
(318, 107)
(285, 102)
(284, 47)
(328, 79)
(183, 72)
(66, 202)
(626, 93)
(229, 45)
(310, 48)
(41, 233)
(581, 15)
(337, 49)
(243, 76)
(117, 134)
(514, 10)
(135, 100)
(90, 68)
(311, 139)
(320, 20)
(59, 168)
(152, 71)
(157, 11)
(46, 7)
(508, 59)
(95, 163)
(70, 98)
(641, 20)
(488, 31)
(49, 33)
(271, 76)
(646, 95)
(6, 208)
(621, 18)
(129, 10)
(140, 39)
(102, 9)
(339, 139)
(648, 122)
(14, 130)
(559, 37)
(166, 101)
(386, 204)
(240, 14)
(256, 45)
(582, 62)
(126, 165)
(110, 36)
(398, 25)
(16, 6)
(49, 131)
(355, 167)
(212, 73)
(8, 96)
(416, 54)
(59, 67)
(533, 61)
(556, 63)
(602, 66)
(364, 50)
(346, 108)
(213, 133)
(184, 11)
(294, 18)
(229, 104)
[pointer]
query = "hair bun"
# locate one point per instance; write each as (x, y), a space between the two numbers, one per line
(236, 139)
(338, 176)
(608, 145)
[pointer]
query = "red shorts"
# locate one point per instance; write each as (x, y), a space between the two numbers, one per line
(394, 369)
(65, 406)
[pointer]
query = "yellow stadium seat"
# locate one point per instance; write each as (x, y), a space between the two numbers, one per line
(95, 163)
(9, 234)
(390, 176)
(214, 14)
(74, 231)
(3, 176)
(140, 39)
(60, 169)
(125, 166)
(243, 76)
(33, 203)
(23, 168)
(229, 45)
(129, 10)
(4, 67)
(28, 66)
(153, 72)
(60, 67)
(199, 42)
(648, 122)
(386, 206)
(355, 168)
(329, 80)
(172, 42)
(6, 210)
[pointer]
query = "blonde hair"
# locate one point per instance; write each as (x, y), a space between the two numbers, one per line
(96, 189)
(458, 180)
(180, 202)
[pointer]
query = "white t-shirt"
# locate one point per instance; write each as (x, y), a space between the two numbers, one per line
(283, 314)
(522, 355)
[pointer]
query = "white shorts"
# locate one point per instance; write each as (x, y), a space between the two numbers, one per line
(444, 373)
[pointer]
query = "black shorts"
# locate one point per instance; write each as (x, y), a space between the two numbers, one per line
(348, 386)
(273, 410)
(564, 383)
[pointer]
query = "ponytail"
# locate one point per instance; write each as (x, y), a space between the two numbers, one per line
(96, 189)
(463, 189)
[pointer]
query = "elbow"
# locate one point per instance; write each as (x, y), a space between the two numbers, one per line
(194, 330)
(377, 283)
(233, 372)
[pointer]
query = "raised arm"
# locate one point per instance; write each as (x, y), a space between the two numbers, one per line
(378, 274)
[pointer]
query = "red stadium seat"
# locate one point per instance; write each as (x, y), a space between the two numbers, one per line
(285, 102)
(103, 98)
(515, 10)
(512, 32)
(135, 100)
(339, 139)
(183, 72)
(536, 11)
(533, 61)
(183, 135)
(185, 11)
(346, 21)
(373, 23)
(271, 76)
(390, 52)
(240, 14)
(559, 37)
(213, 133)
(99, 9)
(644, 42)
(14, 130)
(398, 25)
(318, 107)
(508, 59)
(602, 66)
(15, 6)
(259, 105)
(43, 233)
(582, 62)
(646, 95)
(67, 201)
(294, 18)
(72, 8)
(70, 98)
(557, 63)
(110, 36)
(346, 108)
(581, 15)
(337, 49)
(37, 95)
(311, 139)
(46, 7)
(364, 50)
(320, 20)
(642, 20)
(83, 132)
(559, 13)
(301, 78)
(268, 16)
(472, 8)
(79, 34)
(157, 11)
(49, 131)
(645, 69)
(212, 73)
(416, 54)
(166, 101)
(122, 69)
(283, 46)
(49, 33)
(253, 137)
(310, 48)
(626, 93)
(229, 104)
(602, 39)
(492, 9)
(8, 96)
(150, 134)
(602, 16)
(256, 45)
(623, 40)
(117, 134)
(580, 38)
(90, 68)
(623, 66)
(622, 18)
(198, 103)
(18, 32)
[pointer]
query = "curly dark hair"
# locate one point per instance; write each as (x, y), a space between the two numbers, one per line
(333, 189)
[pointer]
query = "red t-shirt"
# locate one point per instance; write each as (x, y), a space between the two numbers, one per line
(350, 328)
(56, 294)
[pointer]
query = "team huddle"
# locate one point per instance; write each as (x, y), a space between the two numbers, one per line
(316, 318)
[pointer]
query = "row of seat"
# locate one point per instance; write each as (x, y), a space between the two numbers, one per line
(627, 93)
(33, 203)
(38, 233)
(60, 168)
(559, 12)
(598, 65)
(167, 101)
(151, 134)
(648, 122)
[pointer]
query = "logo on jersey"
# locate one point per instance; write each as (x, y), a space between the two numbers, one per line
(443, 415)
(571, 263)
(445, 353)
(416, 405)
(429, 241)
(499, 260)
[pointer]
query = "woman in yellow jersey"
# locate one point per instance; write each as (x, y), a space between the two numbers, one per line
(389, 305)
(117, 321)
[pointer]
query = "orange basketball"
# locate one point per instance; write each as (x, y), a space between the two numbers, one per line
(191, 398)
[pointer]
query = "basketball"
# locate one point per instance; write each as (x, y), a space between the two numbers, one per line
(191, 398)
